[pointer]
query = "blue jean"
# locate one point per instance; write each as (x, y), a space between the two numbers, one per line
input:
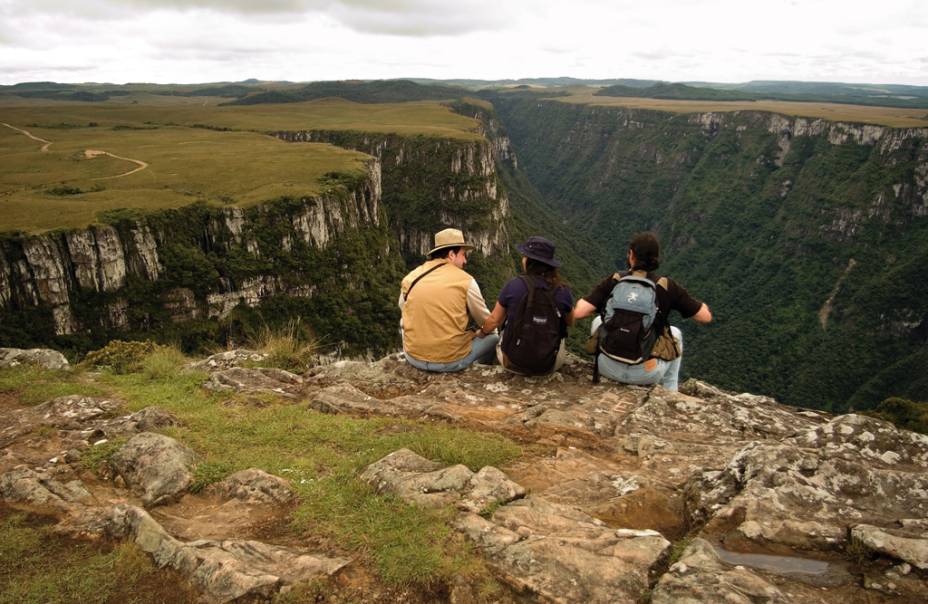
(665, 373)
(483, 350)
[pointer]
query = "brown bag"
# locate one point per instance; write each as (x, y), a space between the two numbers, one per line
(665, 348)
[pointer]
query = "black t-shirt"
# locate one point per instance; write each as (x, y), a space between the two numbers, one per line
(675, 297)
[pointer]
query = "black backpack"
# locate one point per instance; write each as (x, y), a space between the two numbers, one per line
(531, 344)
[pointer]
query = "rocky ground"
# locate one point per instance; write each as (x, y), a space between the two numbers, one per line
(623, 494)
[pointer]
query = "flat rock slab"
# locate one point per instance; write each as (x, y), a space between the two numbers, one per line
(253, 486)
(257, 380)
(35, 487)
(40, 357)
(418, 480)
(713, 416)
(807, 498)
(157, 466)
(64, 413)
(229, 359)
(225, 570)
(560, 554)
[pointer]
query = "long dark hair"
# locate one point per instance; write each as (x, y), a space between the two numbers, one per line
(550, 273)
(647, 252)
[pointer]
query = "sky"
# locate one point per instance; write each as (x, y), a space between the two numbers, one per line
(178, 41)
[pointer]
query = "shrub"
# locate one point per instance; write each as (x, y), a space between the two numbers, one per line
(294, 347)
(903, 413)
(120, 356)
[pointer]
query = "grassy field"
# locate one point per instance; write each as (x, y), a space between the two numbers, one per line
(321, 454)
(884, 116)
(230, 161)
(427, 118)
(67, 187)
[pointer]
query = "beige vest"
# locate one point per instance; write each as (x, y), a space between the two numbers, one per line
(435, 313)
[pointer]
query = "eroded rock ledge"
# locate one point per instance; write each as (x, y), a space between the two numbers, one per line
(626, 493)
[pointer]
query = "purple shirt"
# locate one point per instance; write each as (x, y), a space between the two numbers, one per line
(510, 297)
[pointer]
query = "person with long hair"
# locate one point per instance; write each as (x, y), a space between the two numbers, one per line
(661, 358)
(534, 311)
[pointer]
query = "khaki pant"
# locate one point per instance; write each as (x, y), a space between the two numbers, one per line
(558, 362)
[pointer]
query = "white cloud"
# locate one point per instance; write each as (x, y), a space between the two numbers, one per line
(715, 40)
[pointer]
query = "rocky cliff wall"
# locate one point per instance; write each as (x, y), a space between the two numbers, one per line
(761, 215)
(433, 183)
(195, 264)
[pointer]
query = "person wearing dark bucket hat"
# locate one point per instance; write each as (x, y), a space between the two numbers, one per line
(534, 310)
(438, 299)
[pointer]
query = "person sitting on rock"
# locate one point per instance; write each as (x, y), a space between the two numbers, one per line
(632, 337)
(437, 300)
(534, 310)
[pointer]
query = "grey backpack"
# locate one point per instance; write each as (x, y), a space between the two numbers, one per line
(629, 329)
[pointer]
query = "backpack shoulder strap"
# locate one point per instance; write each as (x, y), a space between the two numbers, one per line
(413, 284)
(530, 286)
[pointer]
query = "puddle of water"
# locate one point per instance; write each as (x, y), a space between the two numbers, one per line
(782, 565)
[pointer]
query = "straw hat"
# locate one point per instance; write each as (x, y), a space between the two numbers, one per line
(449, 238)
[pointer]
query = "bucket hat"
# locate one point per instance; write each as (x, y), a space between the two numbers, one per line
(449, 238)
(540, 249)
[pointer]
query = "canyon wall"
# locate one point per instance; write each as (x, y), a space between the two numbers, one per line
(182, 273)
(808, 238)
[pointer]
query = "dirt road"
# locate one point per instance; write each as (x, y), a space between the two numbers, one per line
(91, 153)
(32, 136)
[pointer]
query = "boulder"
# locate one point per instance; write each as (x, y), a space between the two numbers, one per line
(40, 357)
(145, 420)
(908, 547)
(253, 486)
(422, 482)
(700, 576)
(156, 466)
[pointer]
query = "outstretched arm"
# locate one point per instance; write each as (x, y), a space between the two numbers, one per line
(703, 315)
(582, 310)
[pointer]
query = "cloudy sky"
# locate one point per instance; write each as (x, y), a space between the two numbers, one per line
(879, 41)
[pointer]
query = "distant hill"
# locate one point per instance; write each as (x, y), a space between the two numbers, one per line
(379, 91)
(664, 90)
(892, 95)
(528, 82)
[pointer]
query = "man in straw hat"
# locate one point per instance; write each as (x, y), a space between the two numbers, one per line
(437, 300)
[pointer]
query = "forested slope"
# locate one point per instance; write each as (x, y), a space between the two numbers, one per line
(761, 216)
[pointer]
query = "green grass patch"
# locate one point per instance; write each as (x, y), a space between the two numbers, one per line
(321, 454)
(39, 567)
(33, 385)
(97, 456)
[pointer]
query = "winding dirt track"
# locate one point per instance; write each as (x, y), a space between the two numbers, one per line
(88, 154)
(32, 136)
(91, 153)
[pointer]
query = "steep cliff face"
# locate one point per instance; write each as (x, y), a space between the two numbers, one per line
(761, 215)
(198, 263)
(433, 183)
